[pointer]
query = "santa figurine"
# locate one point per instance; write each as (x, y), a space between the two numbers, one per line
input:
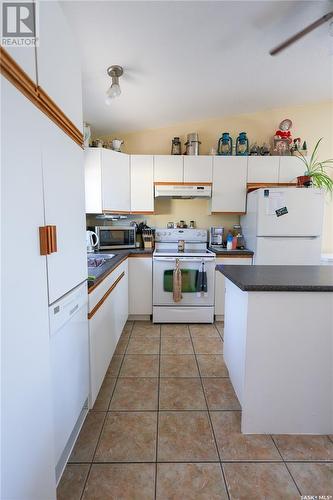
(282, 138)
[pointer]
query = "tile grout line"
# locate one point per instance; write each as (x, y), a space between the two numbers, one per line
(209, 416)
(286, 466)
(158, 408)
(106, 413)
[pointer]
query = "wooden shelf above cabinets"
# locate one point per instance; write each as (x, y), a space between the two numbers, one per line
(252, 186)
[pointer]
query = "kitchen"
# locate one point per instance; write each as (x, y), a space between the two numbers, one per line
(122, 387)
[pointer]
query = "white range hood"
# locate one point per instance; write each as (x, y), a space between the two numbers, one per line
(183, 191)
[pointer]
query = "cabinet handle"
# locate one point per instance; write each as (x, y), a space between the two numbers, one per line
(105, 296)
(52, 231)
(47, 239)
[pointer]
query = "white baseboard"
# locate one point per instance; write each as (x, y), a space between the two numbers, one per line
(139, 317)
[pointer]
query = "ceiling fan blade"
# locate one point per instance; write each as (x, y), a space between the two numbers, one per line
(302, 33)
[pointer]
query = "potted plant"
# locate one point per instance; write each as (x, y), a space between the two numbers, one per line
(315, 173)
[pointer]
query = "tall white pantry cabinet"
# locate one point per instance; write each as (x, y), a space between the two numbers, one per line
(42, 183)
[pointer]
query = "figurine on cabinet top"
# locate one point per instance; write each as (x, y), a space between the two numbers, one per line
(282, 138)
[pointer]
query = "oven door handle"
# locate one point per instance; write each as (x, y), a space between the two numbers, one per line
(184, 259)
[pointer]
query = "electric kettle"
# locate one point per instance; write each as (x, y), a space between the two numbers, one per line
(91, 244)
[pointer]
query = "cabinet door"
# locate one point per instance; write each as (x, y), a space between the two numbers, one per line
(290, 168)
(220, 280)
(63, 175)
(229, 184)
(103, 341)
(263, 169)
(121, 300)
(115, 181)
(198, 169)
(140, 286)
(93, 180)
(26, 374)
(142, 183)
(168, 168)
(58, 61)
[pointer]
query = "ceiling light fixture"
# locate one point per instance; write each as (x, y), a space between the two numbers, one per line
(114, 91)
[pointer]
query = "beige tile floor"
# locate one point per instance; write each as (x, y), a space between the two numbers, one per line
(166, 425)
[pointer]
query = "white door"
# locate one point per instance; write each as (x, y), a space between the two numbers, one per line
(305, 212)
(27, 466)
(58, 61)
(168, 168)
(93, 180)
(198, 169)
(63, 175)
(163, 286)
(229, 184)
(263, 169)
(290, 168)
(142, 183)
(288, 251)
(140, 285)
(115, 181)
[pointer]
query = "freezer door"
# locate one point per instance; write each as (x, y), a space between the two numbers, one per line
(288, 251)
(305, 212)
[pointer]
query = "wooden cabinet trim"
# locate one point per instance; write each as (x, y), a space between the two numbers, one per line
(105, 296)
(15, 74)
(170, 183)
(251, 186)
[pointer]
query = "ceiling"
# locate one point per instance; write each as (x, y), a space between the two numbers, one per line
(191, 60)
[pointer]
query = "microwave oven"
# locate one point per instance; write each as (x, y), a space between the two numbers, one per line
(112, 237)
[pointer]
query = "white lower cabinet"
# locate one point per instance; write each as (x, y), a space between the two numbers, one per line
(108, 306)
(140, 290)
(220, 280)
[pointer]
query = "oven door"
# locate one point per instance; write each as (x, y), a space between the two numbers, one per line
(163, 287)
(115, 237)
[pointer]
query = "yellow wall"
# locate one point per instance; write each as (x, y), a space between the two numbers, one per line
(310, 122)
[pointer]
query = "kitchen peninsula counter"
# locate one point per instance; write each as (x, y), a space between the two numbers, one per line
(278, 346)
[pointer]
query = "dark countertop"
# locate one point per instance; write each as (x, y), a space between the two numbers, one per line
(280, 278)
(230, 253)
(120, 255)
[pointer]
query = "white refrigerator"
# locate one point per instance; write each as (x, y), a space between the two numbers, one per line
(283, 226)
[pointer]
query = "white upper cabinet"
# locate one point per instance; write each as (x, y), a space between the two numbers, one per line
(115, 181)
(93, 180)
(107, 181)
(58, 61)
(63, 175)
(263, 169)
(290, 168)
(142, 183)
(198, 169)
(168, 168)
(229, 184)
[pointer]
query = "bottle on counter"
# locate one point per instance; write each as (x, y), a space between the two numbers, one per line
(229, 241)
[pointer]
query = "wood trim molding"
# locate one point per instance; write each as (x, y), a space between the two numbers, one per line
(236, 256)
(251, 186)
(148, 212)
(183, 183)
(105, 296)
(228, 213)
(106, 211)
(19, 78)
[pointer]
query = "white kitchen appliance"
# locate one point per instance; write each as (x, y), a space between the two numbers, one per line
(183, 191)
(92, 241)
(113, 237)
(69, 348)
(196, 306)
(283, 226)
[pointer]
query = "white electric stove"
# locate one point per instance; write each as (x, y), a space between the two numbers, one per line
(195, 306)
